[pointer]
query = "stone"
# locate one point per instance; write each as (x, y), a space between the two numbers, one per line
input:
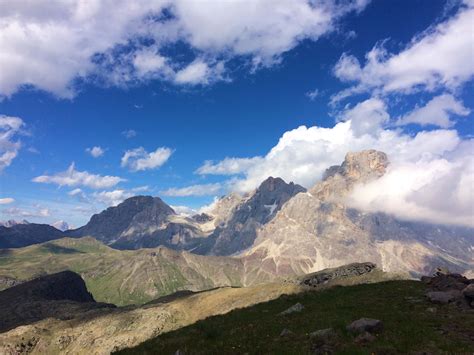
(426, 279)
(323, 276)
(286, 333)
(431, 310)
(468, 292)
(323, 333)
(364, 338)
(443, 297)
(296, 308)
(365, 325)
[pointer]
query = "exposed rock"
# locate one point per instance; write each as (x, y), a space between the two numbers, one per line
(317, 230)
(7, 281)
(365, 325)
(202, 218)
(364, 338)
(468, 292)
(443, 297)
(323, 276)
(296, 308)
(323, 334)
(286, 333)
(240, 230)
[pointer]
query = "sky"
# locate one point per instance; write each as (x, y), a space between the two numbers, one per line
(101, 100)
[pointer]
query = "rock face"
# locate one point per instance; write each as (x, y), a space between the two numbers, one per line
(324, 276)
(316, 230)
(56, 295)
(240, 230)
(24, 234)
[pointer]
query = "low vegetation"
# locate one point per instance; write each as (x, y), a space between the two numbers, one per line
(411, 324)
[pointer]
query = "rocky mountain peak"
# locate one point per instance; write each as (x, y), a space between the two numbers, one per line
(357, 167)
(365, 164)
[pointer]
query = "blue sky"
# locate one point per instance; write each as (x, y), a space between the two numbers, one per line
(216, 108)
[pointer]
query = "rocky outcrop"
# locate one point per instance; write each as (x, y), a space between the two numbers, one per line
(58, 295)
(324, 276)
(445, 287)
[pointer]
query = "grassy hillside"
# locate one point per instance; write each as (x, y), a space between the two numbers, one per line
(122, 277)
(411, 324)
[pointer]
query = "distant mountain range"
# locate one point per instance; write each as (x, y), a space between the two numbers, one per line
(279, 229)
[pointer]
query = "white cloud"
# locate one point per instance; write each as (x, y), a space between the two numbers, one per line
(431, 174)
(436, 112)
(228, 166)
(199, 72)
(72, 177)
(27, 213)
(441, 56)
(96, 151)
(9, 128)
(184, 210)
(139, 159)
(194, 190)
(74, 39)
(129, 133)
(6, 200)
(367, 117)
(112, 198)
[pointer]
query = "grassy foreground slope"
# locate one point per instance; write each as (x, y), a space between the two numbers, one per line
(122, 277)
(411, 324)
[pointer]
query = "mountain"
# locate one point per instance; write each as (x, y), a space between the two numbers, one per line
(12, 222)
(61, 225)
(120, 276)
(23, 234)
(229, 227)
(316, 230)
(239, 230)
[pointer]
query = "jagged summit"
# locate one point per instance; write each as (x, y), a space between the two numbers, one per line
(361, 165)
(239, 231)
(357, 167)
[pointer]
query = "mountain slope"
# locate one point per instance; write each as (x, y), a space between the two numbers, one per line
(122, 277)
(316, 230)
(23, 234)
(239, 231)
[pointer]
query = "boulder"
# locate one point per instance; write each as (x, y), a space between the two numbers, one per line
(365, 325)
(323, 334)
(443, 297)
(364, 338)
(293, 309)
(286, 333)
(468, 292)
(324, 276)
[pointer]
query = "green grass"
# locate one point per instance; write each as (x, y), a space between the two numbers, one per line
(409, 326)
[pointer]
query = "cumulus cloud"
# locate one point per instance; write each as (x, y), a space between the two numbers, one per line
(430, 177)
(112, 198)
(72, 177)
(367, 117)
(96, 151)
(194, 190)
(9, 147)
(439, 57)
(436, 112)
(6, 200)
(71, 40)
(312, 95)
(228, 166)
(139, 159)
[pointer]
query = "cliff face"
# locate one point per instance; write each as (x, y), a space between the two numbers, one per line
(316, 230)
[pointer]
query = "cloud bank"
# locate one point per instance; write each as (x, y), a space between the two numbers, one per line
(139, 159)
(72, 42)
